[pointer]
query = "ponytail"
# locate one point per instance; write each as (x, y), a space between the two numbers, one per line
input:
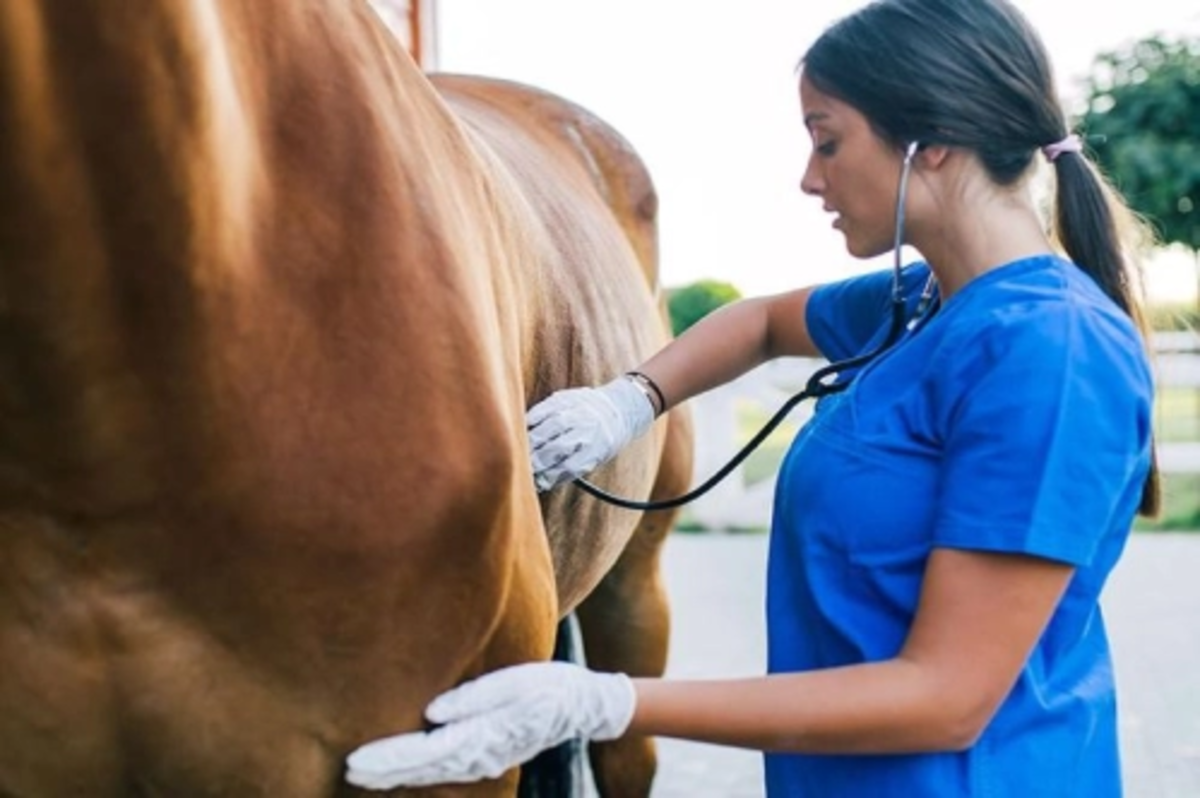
(1100, 233)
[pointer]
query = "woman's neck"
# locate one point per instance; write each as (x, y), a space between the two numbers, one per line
(975, 228)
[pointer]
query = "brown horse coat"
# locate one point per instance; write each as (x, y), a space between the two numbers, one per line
(271, 309)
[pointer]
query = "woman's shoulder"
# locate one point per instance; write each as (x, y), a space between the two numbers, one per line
(1046, 295)
(1047, 314)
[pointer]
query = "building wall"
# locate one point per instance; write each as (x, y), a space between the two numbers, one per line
(415, 24)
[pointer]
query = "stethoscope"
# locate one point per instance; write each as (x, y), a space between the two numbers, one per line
(823, 382)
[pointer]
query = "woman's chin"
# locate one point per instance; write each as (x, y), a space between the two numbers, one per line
(863, 250)
(857, 250)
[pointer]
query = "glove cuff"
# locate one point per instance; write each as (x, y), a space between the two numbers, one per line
(634, 406)
(618, 699)
(650, 388)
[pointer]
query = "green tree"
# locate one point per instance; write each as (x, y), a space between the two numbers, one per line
(1142, 122)
(690, 303)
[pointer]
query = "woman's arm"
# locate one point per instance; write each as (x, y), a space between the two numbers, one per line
(575, 430)
(731, 341)
(979, 617)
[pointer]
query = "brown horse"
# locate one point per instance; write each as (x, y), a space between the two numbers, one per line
(273, 305)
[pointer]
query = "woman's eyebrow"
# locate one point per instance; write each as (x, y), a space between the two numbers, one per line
(815, 116)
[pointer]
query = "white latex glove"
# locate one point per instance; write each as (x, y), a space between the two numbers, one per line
(497, 722)
(575, 430)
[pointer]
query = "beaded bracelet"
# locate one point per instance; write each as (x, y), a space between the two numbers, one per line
(651, 389)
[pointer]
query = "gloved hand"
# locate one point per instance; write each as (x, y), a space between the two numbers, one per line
(497, 722)
(575, 430)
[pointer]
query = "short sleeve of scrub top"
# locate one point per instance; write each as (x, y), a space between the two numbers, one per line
(849, 317)
(1042, 443)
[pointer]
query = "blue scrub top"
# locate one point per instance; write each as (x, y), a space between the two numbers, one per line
(1016, 419)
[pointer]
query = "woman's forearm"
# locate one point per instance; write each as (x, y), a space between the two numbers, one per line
(723, 345)
(886, 707)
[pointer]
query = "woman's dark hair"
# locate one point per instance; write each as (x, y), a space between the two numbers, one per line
(974, 74)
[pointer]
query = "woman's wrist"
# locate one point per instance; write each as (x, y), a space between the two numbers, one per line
(649, 387)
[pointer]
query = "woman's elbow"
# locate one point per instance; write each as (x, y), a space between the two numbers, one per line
(961, 737)
(960, 724)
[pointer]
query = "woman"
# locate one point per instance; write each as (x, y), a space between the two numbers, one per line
(943, 527)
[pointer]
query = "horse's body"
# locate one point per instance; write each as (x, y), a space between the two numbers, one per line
(272, 308)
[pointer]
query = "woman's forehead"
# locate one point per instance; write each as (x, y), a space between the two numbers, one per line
(820, 108)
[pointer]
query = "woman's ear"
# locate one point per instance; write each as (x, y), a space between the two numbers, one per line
(932, 156)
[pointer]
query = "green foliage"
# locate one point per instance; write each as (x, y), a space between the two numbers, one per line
(1180, 512)
(690, 303)
(1142, 124)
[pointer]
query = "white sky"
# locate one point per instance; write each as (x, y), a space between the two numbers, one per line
(706, 92)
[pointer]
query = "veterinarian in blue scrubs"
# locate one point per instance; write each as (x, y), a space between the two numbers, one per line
(943, 526)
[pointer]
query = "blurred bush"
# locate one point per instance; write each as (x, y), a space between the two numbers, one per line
(690, 303)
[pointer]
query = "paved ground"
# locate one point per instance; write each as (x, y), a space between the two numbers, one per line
(1153, 609)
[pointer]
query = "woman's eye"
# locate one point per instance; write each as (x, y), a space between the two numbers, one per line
(827, 148)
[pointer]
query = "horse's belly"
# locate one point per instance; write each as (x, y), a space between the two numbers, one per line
(132, 672)
(109, 690)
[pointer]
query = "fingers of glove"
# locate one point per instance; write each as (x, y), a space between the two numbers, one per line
(596, 418)
(562, 431)
(551, 453)
(548, 429)
(458, 753)
(406, 759)
(575, 444)
(571, 456)
(486, 693)
(543, 483)
(568, 469)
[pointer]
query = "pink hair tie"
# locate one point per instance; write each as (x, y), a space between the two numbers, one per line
(1071, 143)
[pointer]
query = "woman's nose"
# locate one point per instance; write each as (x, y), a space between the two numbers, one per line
(810, 184)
